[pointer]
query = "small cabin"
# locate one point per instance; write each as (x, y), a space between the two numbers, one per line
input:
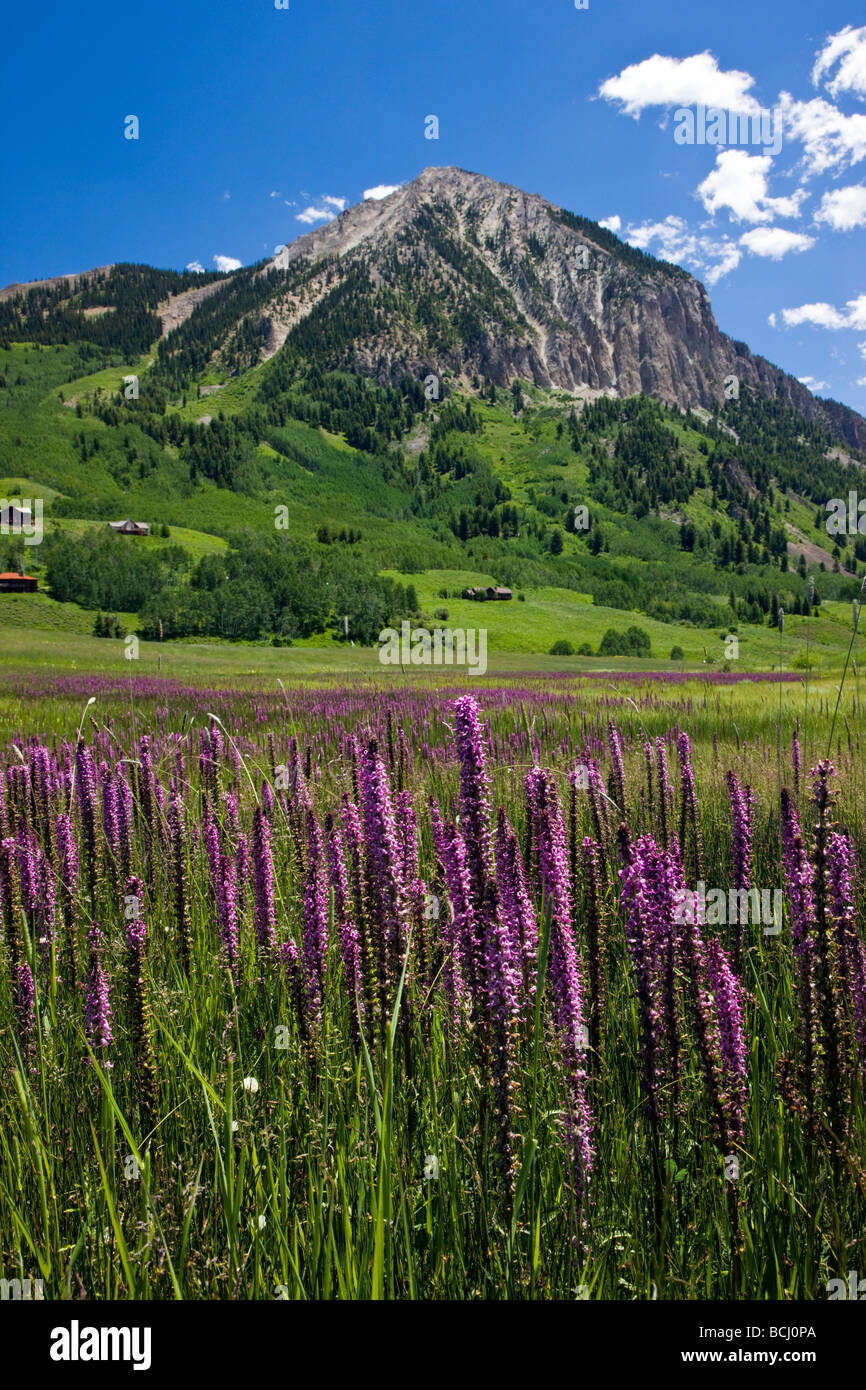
(492, 593)
(130, 528)
(11, 583)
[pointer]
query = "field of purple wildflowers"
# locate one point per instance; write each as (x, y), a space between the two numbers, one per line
(400, 992)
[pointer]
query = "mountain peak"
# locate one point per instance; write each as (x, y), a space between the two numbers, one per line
(457, 274)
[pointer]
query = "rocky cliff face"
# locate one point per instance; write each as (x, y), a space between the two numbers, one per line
(457, 273)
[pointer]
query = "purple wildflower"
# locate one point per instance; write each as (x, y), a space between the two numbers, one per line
(316, 907)
(617, 766)
(851, 952)
(799, 877)
(67, 860)
(591, 864)
(350, 946)
(407, 834)
(386, 887)
(515, 904)
(143, 1061)
(263, 871)
(178, 850)
(665, 789)
(85, 787)
(459, 932)
(10, 899)
(563, 968)
(475, 816)
(728, 998)
(741, 850)
(501, 988)
(647, 935)
(97, 1001)
(688, 804)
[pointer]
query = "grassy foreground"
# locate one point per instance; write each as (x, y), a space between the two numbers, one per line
(262, 1076)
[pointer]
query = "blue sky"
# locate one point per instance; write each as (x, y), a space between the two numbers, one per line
(253, 119)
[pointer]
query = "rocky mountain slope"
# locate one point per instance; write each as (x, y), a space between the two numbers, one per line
(458, 273)
(453, 274)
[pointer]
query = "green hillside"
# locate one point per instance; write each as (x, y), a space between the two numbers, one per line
(284, 500)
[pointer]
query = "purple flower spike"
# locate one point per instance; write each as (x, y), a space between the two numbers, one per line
(316, 908)
(564, 975)
(516, 906)
(97, 1001)
(475, 815)
(263, 871)
(727, 993)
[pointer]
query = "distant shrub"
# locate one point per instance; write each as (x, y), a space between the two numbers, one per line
(441, 614)
(562, 648)
(108, 625)
(677, 654)
(633, 642)
(584, 649)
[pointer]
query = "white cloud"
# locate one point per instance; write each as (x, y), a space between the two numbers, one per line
(775, 242)
(739, 183)
(674, 241)
(227, 194)
(324, 212)
(812, 384)
(197, 267)
(672, 235)
(861, 381)
(844, 208)
(611, 224)
(227, 263)
(823, 315)
(830, 139)
(274, 194)
(848, 48)
(771, 320)
(861, 348)
(820, 315)
(381, 190)
(660, 81)
(313, 214)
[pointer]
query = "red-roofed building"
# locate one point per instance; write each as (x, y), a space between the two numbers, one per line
(11, 583)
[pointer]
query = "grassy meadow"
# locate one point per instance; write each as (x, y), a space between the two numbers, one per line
(372, 1007)
(323, 979)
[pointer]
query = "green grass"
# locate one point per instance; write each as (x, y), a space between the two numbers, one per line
(322, 481)
(548, 615)
(312, 1185)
